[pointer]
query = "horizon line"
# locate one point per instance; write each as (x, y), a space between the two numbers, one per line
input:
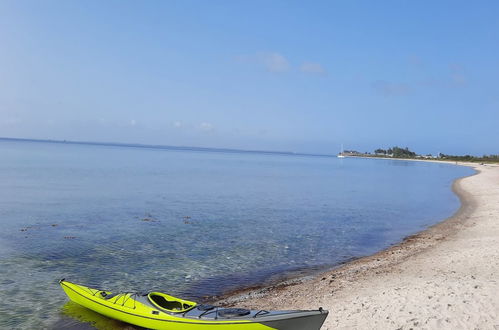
(164, 147)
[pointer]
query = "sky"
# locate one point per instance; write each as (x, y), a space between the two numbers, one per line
(302, 76)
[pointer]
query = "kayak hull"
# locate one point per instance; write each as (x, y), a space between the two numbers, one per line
(135, 310)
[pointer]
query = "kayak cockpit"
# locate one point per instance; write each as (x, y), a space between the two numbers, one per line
(170, 303)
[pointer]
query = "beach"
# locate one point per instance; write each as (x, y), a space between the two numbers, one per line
(442, 278)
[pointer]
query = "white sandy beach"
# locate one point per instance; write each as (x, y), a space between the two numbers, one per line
(446, 277)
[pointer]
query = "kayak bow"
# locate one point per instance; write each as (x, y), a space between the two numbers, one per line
(157, 310)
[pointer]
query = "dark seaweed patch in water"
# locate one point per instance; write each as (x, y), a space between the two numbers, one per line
(375, 237)
(209, 288)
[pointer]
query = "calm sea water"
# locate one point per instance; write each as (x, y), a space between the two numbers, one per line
(193, 224)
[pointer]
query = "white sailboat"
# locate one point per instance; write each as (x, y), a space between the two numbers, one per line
(341, 155)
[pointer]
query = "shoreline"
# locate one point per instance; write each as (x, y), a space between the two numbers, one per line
(433, 160)
(346, 282)
(466, 204)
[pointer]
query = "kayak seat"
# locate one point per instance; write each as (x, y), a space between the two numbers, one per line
(170, 303)
(166, 304)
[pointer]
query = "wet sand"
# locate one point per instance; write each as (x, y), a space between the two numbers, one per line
(446, 277)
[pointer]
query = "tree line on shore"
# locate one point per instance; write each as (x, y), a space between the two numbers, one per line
(469, 158)
(406, 153)
(396, 152)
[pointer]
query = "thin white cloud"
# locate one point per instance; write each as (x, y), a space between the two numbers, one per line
(177, 124)
(459, 79)
(133, 122)
(270, 61)
(10, 121)
(313, 68)
(206, 126)
(387, 88)
(458, 76)
(277, 63)
(274, 62)
(416, 61)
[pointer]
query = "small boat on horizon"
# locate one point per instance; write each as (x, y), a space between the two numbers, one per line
(341, 154)
(157, 310)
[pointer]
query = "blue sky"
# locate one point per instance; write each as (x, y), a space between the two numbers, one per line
(275, 75)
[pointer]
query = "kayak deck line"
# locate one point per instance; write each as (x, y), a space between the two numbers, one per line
(156, 310)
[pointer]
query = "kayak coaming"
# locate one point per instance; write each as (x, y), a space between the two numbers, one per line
(126, 307)
(186, 305)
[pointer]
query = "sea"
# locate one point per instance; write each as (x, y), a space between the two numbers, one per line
(195, 223)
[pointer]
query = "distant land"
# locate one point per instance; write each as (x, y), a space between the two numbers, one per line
(166, 147)
(406, 153)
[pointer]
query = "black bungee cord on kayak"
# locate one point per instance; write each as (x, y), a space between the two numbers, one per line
(132, 295)
(126, 296)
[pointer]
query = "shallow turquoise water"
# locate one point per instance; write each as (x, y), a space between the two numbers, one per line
(192, 223)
